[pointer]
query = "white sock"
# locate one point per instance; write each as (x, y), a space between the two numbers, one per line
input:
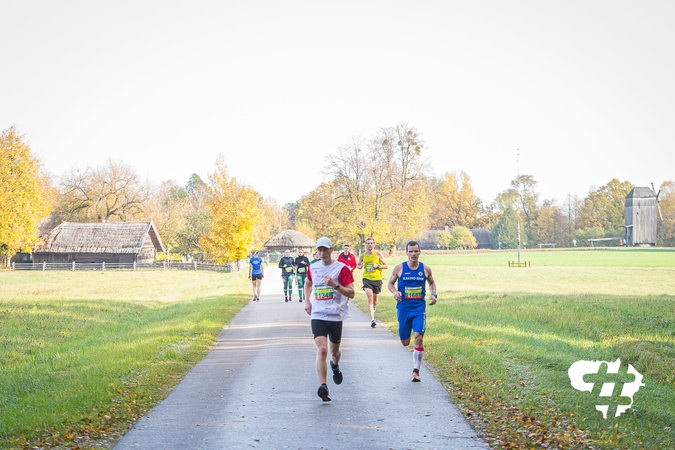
(418, 354)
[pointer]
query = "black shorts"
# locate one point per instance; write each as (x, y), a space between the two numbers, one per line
(327, 328)
(256, 276)
(375, 286)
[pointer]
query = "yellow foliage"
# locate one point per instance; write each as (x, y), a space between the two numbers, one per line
(24, 194)
(235, 212)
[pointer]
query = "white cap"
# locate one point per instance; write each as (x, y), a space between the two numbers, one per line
(324, 242)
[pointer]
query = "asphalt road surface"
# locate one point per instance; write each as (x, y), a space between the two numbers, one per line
(258, 389)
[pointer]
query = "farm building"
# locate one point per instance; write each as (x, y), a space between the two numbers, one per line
(641, 214)
(117, 243)
(289, 240)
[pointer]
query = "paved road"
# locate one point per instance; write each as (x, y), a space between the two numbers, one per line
(257, 389)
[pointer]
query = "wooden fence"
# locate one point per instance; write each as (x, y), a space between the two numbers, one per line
(103, 266)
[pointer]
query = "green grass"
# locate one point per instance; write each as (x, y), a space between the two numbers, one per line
(87, 354)
(502, 340)
(84, 355)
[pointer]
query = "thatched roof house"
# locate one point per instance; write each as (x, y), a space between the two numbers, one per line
(117, 242)
(289, 239)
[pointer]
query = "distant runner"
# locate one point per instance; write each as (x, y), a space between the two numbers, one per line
(256, 273)
(372, 264)
(287, 266)
(301, 266)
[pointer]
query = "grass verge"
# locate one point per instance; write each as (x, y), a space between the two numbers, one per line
(85, 355)
(502, 340)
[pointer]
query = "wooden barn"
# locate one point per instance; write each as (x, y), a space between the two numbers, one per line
(641, 214)
(116, 242)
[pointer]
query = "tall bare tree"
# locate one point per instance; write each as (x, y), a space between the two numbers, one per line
(112, 192)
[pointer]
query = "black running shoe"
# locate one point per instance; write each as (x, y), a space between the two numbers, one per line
(337, 375)
(286, 299)
(300, 299)
(416, 376)
(323, 393)
(373, 324)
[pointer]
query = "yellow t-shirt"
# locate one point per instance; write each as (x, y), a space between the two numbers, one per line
(369, 272)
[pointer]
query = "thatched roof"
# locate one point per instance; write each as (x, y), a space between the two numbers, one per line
(289, 239)
(114, 237)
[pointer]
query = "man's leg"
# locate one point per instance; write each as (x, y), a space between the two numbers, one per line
(371, 306)
(289, 286)
(321, 366)
(321, 355)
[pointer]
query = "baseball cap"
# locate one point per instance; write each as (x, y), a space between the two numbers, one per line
(324, 242)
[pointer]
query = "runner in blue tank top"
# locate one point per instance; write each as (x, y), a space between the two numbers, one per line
(409, 292)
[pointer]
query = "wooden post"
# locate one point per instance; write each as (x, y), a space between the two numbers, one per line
(13, 267)
(44, 265)
(73, 266)
(103, 266)
(164, 266)
(195, 263)
(134, 266)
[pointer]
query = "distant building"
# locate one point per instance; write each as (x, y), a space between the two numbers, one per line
(114, 242)
(483, 237)
(641, 215)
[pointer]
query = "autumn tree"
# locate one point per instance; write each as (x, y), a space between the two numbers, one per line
(524, 199)
(235, 212)
(113, 192)
(551, 226)
(455, 203)
(605, 207)
(276, 220)
(24, 194)
(666, 227)
(505, 232)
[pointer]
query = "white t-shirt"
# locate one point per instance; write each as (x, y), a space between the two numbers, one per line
(328, 303)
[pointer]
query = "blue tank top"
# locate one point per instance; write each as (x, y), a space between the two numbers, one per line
(256, 263)
(411, 283)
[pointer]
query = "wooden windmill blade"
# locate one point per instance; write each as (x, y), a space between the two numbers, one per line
(658, 207)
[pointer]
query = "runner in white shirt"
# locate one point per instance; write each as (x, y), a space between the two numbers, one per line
(331, 285)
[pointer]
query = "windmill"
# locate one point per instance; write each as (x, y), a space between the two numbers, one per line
(642, 205)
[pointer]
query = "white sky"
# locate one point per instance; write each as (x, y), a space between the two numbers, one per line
(585, 89)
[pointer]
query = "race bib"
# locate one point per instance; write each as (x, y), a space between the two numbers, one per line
(370, 268)
(323, 292)
(301, 270)
(288, 269)
(413, 293)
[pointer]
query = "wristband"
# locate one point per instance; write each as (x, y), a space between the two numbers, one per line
(434, 294)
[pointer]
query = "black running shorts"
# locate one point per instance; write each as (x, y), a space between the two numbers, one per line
(375, 286)
(256, 276)
(327, 328)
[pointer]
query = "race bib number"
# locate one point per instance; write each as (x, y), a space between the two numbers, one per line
(288, 269)
(413, 293)
(323, 292)
(301, 270)
(370, 268)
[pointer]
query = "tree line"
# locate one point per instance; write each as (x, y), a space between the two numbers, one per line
(381, 186)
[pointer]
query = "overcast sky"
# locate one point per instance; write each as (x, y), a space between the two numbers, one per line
(585, 89)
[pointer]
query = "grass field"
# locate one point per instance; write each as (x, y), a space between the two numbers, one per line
(502, 339)
(86, 354)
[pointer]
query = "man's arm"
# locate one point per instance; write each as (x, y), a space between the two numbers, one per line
(432, 285)
(392, 283)
(308, 293)
(360, 264)
(382, 264)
